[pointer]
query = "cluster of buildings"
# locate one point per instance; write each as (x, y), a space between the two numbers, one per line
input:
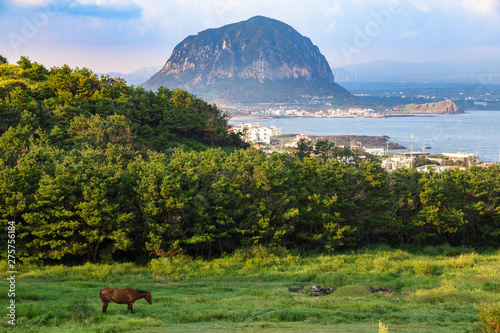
(262, 135)
(286, 112)
(254, 133)
(400, 160)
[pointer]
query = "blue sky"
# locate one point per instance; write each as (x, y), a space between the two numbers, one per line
(125, 35)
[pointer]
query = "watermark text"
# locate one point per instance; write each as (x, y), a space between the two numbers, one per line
(363, 37)
(11, 262)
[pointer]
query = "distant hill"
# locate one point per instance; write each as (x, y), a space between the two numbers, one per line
(136, 77)
(400, 71)
(258, 60)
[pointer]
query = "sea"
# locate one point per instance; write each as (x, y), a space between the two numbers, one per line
(476, 132)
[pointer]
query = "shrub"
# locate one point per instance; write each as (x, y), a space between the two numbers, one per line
(489, 317)
(382, 264)
(398, 254)
(492, 286)
(364, 264)
(382, 328)
(446, 293)
(463, 261)
(331, 263)
(336, 279)
(182, 267)
(426, 268)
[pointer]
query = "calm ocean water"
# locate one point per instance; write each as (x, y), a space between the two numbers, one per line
(472, 132)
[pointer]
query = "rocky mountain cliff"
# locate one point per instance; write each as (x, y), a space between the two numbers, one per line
(257, 60)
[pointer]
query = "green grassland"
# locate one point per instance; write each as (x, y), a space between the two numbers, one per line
(438, 289)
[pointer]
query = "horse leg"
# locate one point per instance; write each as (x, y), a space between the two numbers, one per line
(129, 307)
(105, 299)
(104, 307)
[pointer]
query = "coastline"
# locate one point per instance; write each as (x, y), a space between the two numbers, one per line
(247, 117)
(442, 132)
(326, 117)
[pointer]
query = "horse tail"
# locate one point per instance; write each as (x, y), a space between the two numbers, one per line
(103, 296)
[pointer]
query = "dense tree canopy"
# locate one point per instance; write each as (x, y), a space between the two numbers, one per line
(93, 169)
(75, 107)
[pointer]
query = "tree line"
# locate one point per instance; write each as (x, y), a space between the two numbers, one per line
(139, 174)
(95, 202)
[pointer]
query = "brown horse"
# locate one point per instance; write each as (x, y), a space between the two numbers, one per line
(123, 296)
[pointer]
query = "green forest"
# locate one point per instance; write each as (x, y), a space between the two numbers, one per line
(92, 169)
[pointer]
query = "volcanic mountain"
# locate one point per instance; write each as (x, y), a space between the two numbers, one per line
(258, 60)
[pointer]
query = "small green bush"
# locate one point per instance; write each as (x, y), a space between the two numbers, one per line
(397, 255)
(384, 265)
(336, 279)
(427, 268)
(492, 286)
(382, 328)
(463, 261)
(364, 264)
(446, 293)
(489, 317)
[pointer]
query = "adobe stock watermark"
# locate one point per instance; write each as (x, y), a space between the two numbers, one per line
(31, 26)
(11, 264)
(224, 6)
(364, 36)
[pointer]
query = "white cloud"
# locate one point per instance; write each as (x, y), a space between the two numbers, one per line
(30, 2)
(409, 33)
(331, 14)
(422, 5)
(488, 8)
(99, 2)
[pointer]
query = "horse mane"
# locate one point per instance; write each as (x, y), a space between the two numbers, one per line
(142, 291)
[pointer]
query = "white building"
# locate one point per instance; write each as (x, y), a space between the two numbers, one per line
(295, 141)
(464, 157)
(427, 168)
(375, 151)
(255, 133)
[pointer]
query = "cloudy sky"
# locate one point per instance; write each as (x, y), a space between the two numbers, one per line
(125, 35)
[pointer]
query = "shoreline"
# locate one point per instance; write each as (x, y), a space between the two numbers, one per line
(392, 115)
(340, 116)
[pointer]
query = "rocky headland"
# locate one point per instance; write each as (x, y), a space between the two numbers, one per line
(447, 106)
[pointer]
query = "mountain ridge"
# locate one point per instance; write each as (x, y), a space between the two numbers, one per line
(136, 77)
(402, 71)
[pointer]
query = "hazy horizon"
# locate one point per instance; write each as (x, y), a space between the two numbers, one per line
(123, 36)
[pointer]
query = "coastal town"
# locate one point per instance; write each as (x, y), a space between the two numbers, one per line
(282, 111)
(326, 110)
(271, 139)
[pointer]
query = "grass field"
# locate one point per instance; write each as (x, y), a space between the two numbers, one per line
(436, 290)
